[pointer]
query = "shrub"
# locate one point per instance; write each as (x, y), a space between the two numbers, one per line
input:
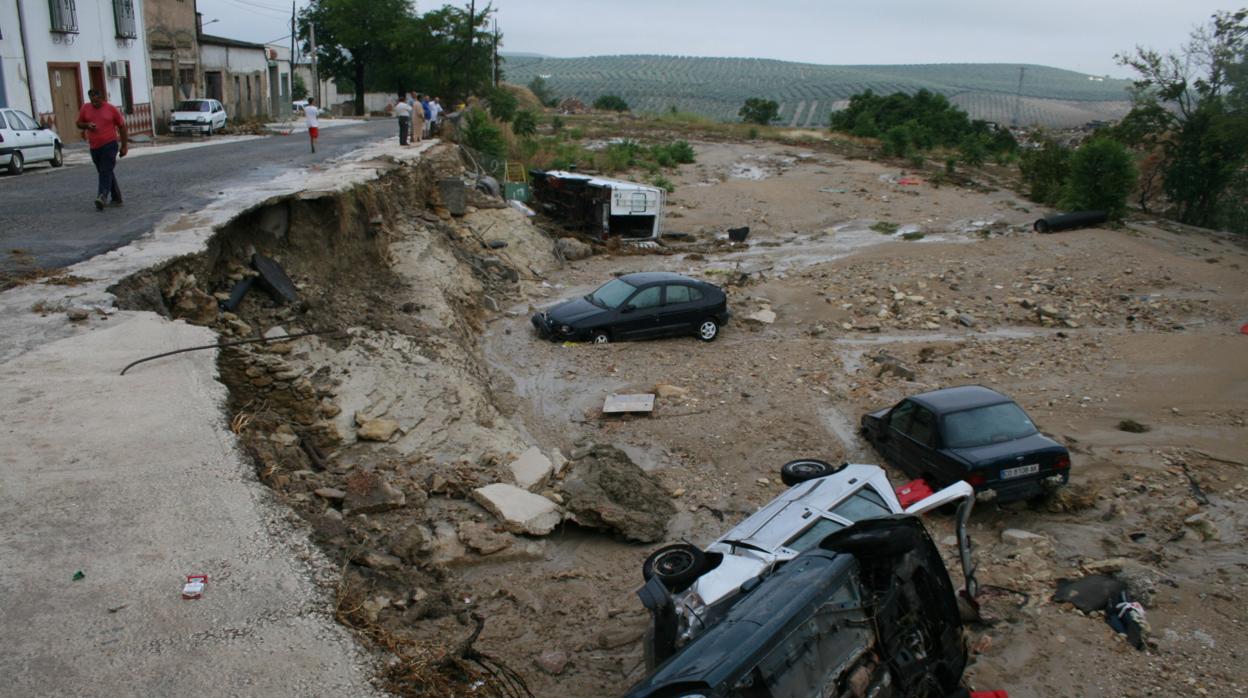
(1102, 176)
(951, 165)
(611, 103)
(682, 152)
(524, 123)
(663, 183)
(897, 141)
(973, 149)
(620, 156)
(480, 134)
(1044, 170)
(885, 227)
(753, 133)
(541, 89)
(556, 123)
(757, 110)
(503, 104)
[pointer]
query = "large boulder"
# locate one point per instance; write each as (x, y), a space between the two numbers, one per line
(606, 489)
(573, 249)
(518, 509)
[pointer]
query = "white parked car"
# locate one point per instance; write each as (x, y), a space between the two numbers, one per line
(23, 140)
(822, 500)
(204, 116)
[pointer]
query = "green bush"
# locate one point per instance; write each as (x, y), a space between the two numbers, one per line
(897, 141)
(480, 134)
(663, 183)
(1044, 170)
(974, 149)
(682, 152)
(757, 110)
(620, 156)
(1102, 176)
(503, 104)
(524, 123)
(556, 123)
(611, 103)
(541, 89)
(753, 133)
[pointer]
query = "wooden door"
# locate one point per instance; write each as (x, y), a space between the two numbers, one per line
(66, 82)
(95, 73)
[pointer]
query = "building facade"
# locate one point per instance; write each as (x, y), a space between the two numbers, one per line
(53, 51)
(173, 51)
(237, 74)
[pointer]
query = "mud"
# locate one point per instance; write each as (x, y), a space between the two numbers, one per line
(1085, 329)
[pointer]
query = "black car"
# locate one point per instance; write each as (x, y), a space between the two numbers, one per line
(868, 611)
(969, 433)
(638, 306)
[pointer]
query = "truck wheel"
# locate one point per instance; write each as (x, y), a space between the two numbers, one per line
(803, 469)
(675, 565)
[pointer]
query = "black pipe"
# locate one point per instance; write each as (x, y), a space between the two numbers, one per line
(231, 343)
(1070, 221)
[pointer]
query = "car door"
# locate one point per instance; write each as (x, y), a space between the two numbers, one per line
(916, 446)
(15, 137)
(676, 317)
(638, 315)
(218, 114)
(39, 145)
(893, 435)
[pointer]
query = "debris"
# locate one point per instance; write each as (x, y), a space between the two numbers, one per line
(330, 493)
(1126, 617)
(377, 560)
(832, 190)
(79, 576)
(891, 364)
(368, 493)
(1132, 426)
(966, 320)
(483, 538)
(377, 430)
(606, 489)
(531, 469)
(274, 279)
(1090, 593)
(1203, 526)
(77, 314)
(763, 316)
(520, 510)
(616, 404)
(519, 206)
(1020, 538)
(1070, 221)
(552, 661)
(194, 587)
(573, 249)
(739, 234)
(220, 345)
(665, 390)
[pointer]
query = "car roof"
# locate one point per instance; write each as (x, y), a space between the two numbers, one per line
(961, 397)
(754, 625)
(644, 278)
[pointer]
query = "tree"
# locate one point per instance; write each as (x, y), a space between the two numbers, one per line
(541, 89)
(1102, 176)
(298, 88)
(1190, 108)
(524, 124)
(1044, 170)
(611, 103)
(757, 110)
(355, 37)
(503, 104)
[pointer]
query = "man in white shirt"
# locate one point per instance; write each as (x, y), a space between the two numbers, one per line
(435, 115)
(403, 110)
(311, 116)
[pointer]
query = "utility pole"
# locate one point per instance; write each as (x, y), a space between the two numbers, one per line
(1018, 96)
(316, 78)
(294, 62)
(494, 60)
(30, 79)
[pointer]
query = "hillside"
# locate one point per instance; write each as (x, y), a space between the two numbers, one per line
(807, 93)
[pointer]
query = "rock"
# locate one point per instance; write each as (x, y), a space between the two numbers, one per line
(412, 542)
(483, 538)
(573, 249)
(966, 320)
(552, 661)
(520, 510)
(377, 430)
(606, 489)
(531, 469)
(282, 439)
(1203, 526)
(559, 461)
(1107, 566)
(275, 331)
(666, 390)
(1021, 538)
(446, 547)
(330, 493)
(619, 637)
(196, 307)
(377, 560)
(77, 314)
(891, 364)
(763, 316)
(372, 495)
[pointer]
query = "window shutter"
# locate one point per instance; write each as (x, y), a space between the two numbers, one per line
(123, 16)
(64, 14)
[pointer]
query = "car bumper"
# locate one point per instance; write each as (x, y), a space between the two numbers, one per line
(547, 329)
(189, 128)
(1007, 491)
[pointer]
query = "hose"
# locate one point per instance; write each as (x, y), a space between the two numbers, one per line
(231, 343)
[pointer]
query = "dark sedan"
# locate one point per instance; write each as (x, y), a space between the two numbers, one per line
(638, 306)
(969, 433)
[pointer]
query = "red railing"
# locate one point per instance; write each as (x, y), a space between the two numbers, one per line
(141, 120)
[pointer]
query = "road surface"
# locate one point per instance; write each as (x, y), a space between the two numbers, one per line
(48, 219)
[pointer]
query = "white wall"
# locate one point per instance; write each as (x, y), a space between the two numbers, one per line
(12, 72)
(95, 42)
(232, 58)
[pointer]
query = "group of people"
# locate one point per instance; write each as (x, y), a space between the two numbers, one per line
(418, 116)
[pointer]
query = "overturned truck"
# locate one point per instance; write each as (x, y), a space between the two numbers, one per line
(600, 207)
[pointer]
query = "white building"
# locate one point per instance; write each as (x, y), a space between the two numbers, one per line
(53, 51)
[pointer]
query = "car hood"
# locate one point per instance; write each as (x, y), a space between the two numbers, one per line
(574, 310)
(981, 456)
(189, 115)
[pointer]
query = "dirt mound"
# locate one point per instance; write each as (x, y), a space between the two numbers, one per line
(606, 489)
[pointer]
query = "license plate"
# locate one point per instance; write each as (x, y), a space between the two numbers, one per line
(1020, 471)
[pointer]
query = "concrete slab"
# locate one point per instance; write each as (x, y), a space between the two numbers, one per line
(531, 469)
(617, 404)
(521, 511)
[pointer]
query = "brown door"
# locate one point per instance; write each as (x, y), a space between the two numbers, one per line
(95, 73)
(66, 82)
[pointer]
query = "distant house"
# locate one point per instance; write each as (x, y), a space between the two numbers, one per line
(53, 51)
(238, 74)
(173, 54)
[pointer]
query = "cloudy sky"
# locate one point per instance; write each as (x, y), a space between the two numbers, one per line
(1078, 35)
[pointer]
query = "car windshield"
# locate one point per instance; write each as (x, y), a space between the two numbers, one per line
(611, 294)
(193, 105)
(810, 537)
(866, 503)
(987, 425)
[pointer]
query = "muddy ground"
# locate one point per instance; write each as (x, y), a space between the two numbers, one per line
(379, 436)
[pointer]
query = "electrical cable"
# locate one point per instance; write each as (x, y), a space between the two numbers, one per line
(232, 343)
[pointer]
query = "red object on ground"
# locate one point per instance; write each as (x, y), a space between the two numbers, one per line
(912, 492)
(989, 694)
(1244, 328)
(194, 587)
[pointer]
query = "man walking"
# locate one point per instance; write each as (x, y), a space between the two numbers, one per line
(312, 116)
(104, 124)
(404, 111)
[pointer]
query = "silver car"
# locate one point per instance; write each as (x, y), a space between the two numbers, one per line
(23, 140)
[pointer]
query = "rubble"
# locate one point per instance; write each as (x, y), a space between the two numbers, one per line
(531, 469)
(372, 494)
(606, 489)
(519, 510)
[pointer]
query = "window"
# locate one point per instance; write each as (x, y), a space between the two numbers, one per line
(647, 298)
(922, 426)
(162, 77)
(899, 418)
(677, 294)
(866, 503)
(194, 105)
(611, 294)
(64, 15)
(127, 91)
(123, 17)
(186, 76)
(987, 425)
(695, 294)
(17, 117)
(2, 122)
(810, 537)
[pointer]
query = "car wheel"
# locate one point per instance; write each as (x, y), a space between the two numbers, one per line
(16, 164)
(675, 565)
(210, 130)
(804, 469)
(601, 337)
(708, 330)
(58, 156)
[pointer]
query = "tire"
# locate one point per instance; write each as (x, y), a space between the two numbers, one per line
(677, 565)
(58, 156)
(600, 337)
(16, 164)
(209, 132)
(708, 330)
(803, 469)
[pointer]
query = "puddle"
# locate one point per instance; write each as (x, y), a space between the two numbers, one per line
(841, 427)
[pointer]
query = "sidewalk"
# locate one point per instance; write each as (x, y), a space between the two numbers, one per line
(137, 481)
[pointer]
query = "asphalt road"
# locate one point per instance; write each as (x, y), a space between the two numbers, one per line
(48, 218)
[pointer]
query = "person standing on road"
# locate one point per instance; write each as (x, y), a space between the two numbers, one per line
(424, 106)
(435, 112)
(403, 110)
(311, 116)
(418, 122)
(104, 124)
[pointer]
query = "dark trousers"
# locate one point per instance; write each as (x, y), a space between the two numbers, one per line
(105, 159)
(405, 127)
